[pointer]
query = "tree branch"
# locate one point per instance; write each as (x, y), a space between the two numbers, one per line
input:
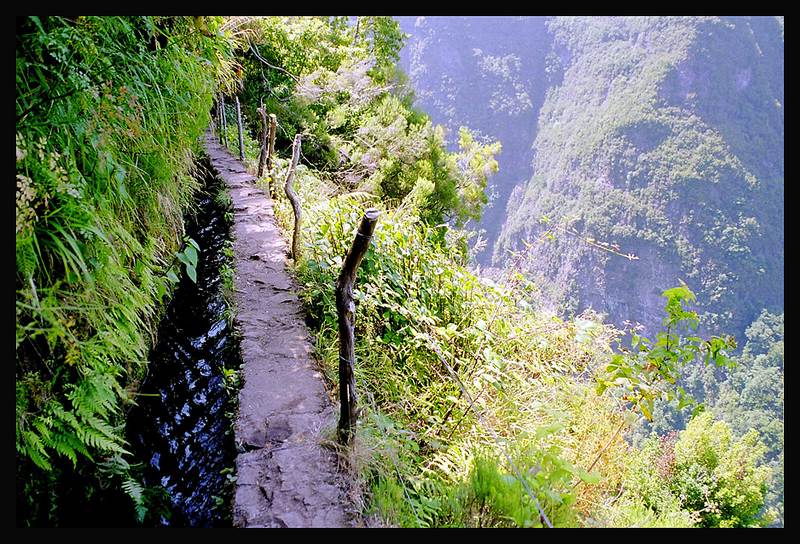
(259, 57)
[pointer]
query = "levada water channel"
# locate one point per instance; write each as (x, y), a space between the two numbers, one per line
(180, 428)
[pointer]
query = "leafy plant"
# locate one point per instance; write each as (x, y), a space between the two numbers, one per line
(189, 257)
(651, 369)
(108, 112)
(719, 480)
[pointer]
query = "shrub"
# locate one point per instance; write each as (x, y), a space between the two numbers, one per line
(704, 471)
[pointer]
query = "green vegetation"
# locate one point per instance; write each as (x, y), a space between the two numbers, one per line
(432, 338)
(334, 87)
(704, 471)
(650, 371)
(747, 395)
(435, 342)
(751, 397)
(109, 111)
(663, 136)
(478, 407)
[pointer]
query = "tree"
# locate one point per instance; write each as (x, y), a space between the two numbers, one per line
(704, 470)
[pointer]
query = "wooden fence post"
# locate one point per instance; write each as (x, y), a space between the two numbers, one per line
(290, 194)
(264, 136)
(345, 307)
(273, 124)
(239, 123)
(224, 140)
(215, 120)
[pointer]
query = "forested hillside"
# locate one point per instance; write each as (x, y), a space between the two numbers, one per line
(660, 137)
(489, 74)
(664, 137)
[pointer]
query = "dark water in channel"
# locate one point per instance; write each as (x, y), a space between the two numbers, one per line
(182, 432)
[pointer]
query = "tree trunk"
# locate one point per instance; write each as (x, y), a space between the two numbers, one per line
(287, 186)
(345, 307)
(273, 124)
(239, 123)
(264, 136)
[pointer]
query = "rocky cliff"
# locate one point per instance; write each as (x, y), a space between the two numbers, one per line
(664, 137)
(486, 73)
(661, 136)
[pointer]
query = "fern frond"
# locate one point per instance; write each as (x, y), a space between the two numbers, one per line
(102, 426)
(114, 465)
(40, 425)
(66, 442)
(100, 441)
(67, 417)
(65, 448)
(95, 394)
(33, 447)
(136, 492)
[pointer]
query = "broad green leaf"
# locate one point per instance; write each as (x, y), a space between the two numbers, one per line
(592, 477)
(646, 410)
(681, 292)
(191, 254)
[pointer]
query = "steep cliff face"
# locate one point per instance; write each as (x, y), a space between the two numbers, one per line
(487, 73)
(663, 136)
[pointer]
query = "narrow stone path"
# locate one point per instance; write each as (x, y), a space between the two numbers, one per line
(285, 477)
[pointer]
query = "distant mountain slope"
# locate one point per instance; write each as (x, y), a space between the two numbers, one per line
(665, 137)
(487, 73)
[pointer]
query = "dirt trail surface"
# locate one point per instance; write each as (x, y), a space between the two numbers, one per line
(285, 477)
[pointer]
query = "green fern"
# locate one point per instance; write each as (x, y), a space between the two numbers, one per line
(65, 448)
(136, 492)
(43, 425)
(100, 440)
(68, 444)
(59, 430)
(95, 395)
(34, 448)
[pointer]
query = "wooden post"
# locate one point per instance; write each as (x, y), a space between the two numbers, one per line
(224, 121)
(273, 125)
(287, 186)
(239, 123)
(215, 119)
(264, 136)
(345, 307)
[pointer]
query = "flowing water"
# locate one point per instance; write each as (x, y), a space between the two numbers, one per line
(180, 428)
